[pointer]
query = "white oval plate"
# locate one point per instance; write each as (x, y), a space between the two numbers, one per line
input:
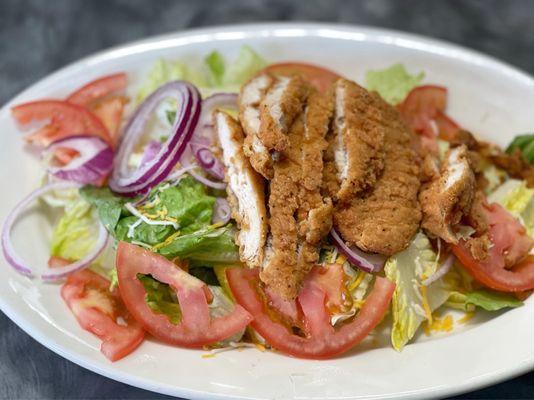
(486, 96)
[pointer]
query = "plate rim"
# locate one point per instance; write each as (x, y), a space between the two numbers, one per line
(298, 29)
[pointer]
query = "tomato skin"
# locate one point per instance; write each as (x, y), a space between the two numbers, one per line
(319, 77)
(196, 328)
(110, 111)
(509, 240)
(96, 310)
(66, 120)
(323, 341)
(424, 111)
(98, 89)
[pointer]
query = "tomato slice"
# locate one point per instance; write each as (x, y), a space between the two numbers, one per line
(98, 89)
(196, 328)
(322, 339)
(424, 111)
(97, 310)
(66, 120)
(109, 111)
(510, 245)
(319, 77)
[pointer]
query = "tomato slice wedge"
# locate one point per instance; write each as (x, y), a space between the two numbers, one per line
(98, 89)
(509, 242)
(424, 111)
(319, 77)
(97, 309)
(322, 339)
(196, 328)
(109, 111)
(66, 120)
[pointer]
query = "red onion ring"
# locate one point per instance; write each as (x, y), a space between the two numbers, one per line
(202, 179)
(367, 262)
(153, 172)
(207, 160)
(441, 272)
(19, 264)
(151, 151)
(217, 100)
(94, 162)
(222, 211)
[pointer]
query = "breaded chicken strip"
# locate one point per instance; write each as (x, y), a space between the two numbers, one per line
(358, 144)
(448, 197)
(281, 105)
(245, 192)
(384, 218)
(300, 217)
(249, 101)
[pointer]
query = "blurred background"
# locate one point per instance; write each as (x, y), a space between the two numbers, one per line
(40, 36)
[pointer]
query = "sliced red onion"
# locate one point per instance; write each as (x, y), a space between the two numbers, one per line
(202, 179)
(19, 264)
(151, 151)
(217, 100)
(367, 262)
(441, 272)
(207, 160)
(146, 176)
(94, 162)
(222, 211)
(180, 172)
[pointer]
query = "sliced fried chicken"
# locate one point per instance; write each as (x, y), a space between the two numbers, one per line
(300, 216)
(358, 143)
(245, 192)
(385, 216)
(280, 106)
(249, 101)
(449, 196)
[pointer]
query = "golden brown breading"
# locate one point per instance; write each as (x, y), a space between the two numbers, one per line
(477, 216)
(449, 196)
(245, 192)
(384, 218)
(280, 106)
(281, 274)
(358, 139)
(300, 217)
(249, 101)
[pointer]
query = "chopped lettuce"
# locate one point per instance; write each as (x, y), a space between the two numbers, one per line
(494, 177)
(393, 83)
(205, 274)
(486, 299)
(518, 199)
(143, 232)
(247, 63)
(216, 67)
(75, 234)
(108, 205)
(209, 245)
(160, 298)
(412, 302)
(164, 71)
(525, 143)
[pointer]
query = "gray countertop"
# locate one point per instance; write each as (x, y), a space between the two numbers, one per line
(40, 36)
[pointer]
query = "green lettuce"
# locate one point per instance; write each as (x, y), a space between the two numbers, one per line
(517, 198)
(108, 205)
(486, 299)
(208, 245)
(164, 71)
(408, 269)
(247, 63)
(393, 83)
(525, 143)
(160, 298)
(76, 232)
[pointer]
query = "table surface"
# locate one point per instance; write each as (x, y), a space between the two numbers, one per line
(38, 37)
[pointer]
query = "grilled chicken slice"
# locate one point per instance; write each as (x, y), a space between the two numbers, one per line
(358, 142)
(249, 101)
(384, 215)
(281, 105)
(449, 196)
(245, 192)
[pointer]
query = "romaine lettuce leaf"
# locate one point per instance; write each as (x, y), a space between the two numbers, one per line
(411, 300)
(393, 83)
(487, 299)
(208, 245)
(108, 205)
(247, 63)
(164, 71)
(76, 232)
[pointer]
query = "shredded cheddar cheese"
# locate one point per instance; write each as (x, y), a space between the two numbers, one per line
(466, 317)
